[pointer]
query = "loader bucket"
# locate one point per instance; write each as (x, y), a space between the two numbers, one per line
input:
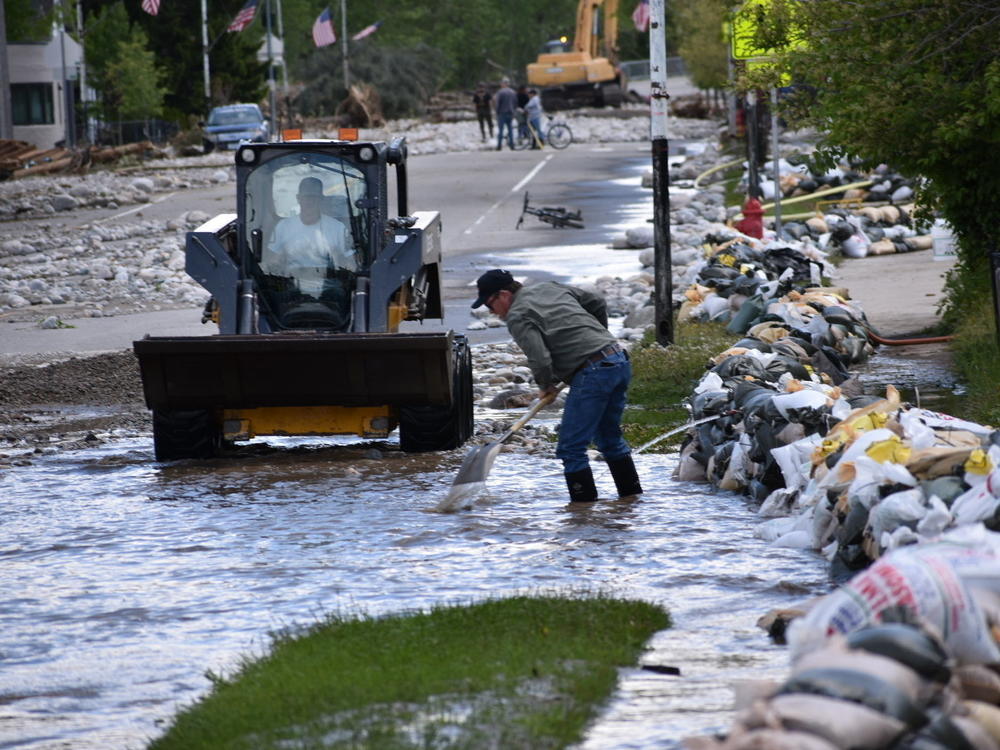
(242, 372)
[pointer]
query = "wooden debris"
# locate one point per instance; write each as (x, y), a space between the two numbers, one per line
(20, 159)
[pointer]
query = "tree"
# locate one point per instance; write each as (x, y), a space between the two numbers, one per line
(133, 80)
(705, 52)
(103, 32)
(915, 83)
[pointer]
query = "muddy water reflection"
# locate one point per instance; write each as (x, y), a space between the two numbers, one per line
(124, 580)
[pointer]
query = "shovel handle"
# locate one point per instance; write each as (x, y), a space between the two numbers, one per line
(535, 407)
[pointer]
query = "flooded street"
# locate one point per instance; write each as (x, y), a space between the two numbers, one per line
(126, 580)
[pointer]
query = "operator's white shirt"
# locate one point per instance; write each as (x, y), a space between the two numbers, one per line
(305, 251)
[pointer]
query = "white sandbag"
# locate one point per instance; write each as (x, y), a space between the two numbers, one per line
(924, 584)
(715, 307)
(773, 739)
(795, 459)
(804, 399)
(798, 539)
(710, 381)
(937, 420)
(904, 508)
(775, 528)
(937, 519)
(979, 502)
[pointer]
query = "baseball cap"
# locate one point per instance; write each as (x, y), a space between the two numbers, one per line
(490, 283)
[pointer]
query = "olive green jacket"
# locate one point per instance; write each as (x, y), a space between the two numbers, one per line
(558, 327)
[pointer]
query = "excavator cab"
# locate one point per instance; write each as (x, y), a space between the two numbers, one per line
(309, 282)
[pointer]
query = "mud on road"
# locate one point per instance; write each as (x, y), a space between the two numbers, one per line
(56, 405)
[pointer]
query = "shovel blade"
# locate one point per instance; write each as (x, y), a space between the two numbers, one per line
(477, 464)
(471, 478)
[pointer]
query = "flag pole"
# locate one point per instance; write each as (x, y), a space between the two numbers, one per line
(343, 41)
(272, 105)
(662, 277)
(204, 57)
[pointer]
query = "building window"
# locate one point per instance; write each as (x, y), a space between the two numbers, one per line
(31, 103)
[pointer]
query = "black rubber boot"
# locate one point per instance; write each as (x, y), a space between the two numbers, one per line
(581, 486)
(625, 476)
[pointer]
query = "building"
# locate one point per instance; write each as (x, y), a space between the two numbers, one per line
(42, 77)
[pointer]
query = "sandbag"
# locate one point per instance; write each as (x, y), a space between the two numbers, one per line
(845, 724)
(902, 584)
(907, 645)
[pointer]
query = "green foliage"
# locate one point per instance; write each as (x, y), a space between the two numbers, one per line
(914, 84)
(405, 78)
(25, 22)
(516, 672)
(975, 350)
(133, 80)
(103, 32)
(701, 44)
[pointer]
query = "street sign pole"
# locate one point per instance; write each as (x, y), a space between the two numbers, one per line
(663, 278)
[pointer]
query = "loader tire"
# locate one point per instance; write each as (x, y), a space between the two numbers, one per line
(442, 428)
(185, 434)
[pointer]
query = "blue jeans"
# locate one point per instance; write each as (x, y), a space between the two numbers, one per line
(505, 120)
(593, 412)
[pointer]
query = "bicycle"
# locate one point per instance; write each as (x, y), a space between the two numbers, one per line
(557, 134)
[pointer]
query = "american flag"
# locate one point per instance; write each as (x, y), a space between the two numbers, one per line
(151, 6)
(640, 16)
(245, 17)
(323, 29)
(366, 31)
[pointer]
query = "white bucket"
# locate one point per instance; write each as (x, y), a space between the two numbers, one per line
(943, 239)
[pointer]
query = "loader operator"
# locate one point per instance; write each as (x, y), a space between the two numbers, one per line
(307, 246)
(563, 332)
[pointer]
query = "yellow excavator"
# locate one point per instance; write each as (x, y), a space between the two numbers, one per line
(584, 74)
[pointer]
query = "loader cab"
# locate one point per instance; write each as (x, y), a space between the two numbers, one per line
(306, 230)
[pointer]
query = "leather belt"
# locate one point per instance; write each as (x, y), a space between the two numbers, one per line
(604, 353)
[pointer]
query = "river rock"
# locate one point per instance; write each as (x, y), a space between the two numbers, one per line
(511, 399)
(143, 183)
(640, 236)
(64, 202)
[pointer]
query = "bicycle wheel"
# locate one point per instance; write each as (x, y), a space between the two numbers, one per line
(559, 136)
(521, 142)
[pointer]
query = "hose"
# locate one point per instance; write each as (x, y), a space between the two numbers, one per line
(716, 168)
(811, 196)
(907, 342)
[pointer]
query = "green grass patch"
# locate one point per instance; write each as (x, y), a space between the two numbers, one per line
(976, 352)
(525, 671)
(663, 376)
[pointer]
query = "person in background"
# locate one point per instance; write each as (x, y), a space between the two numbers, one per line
(483, 102)
(522, 101)
(563, 331)
(505, 102)
(533, 111)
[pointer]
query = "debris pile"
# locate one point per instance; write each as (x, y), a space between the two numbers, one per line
(20, 159)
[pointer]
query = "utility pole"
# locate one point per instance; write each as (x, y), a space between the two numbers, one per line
(343, 43)
(204, 58)
(6, 121)
(83, 73)
(272, 105)
(663, 292)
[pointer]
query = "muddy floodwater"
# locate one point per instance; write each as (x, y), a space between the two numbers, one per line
(124, 580)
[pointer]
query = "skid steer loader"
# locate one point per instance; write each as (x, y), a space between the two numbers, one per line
(309, 281)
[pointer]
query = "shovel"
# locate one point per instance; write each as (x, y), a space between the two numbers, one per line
(471, 477)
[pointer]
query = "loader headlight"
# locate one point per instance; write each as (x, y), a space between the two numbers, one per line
(248, 155)
(366, 153)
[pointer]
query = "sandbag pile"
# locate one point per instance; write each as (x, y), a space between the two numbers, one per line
(857, 233)
(903, 656)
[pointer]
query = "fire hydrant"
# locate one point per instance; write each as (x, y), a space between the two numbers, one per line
(752, 223)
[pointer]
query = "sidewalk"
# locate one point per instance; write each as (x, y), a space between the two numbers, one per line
(899, 293)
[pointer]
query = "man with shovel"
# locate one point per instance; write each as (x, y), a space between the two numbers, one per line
(563, 331)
